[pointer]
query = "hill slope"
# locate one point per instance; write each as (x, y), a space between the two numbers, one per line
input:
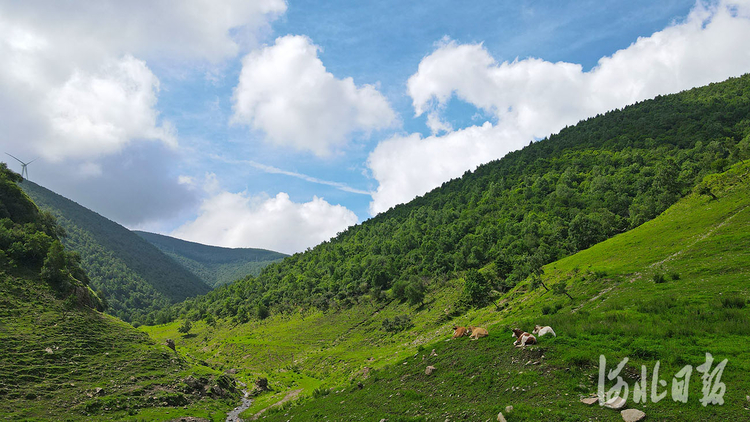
(604, 176)
(212, 264)
(62, 360)
(669, 291)
(133, 275)
(334, 316)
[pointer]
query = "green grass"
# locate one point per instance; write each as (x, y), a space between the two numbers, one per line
(53, 359)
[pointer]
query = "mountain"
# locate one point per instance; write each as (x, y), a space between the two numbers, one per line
(61, 359)
(133, 275)
(628, 233)
(212, 264)
(604, 176)
(662, 295)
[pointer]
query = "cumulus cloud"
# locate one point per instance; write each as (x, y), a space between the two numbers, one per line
(286, 92)
(533, 98)
(276, 223)
(74, 83)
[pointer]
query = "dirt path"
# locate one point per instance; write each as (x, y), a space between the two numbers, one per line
(290, 396)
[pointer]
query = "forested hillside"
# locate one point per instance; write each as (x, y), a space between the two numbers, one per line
(214, 265)
(557, 196)
(134, 276)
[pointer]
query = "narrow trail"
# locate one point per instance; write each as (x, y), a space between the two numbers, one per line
(289, 396)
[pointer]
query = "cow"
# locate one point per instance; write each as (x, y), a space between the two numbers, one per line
(540, 331)
(523, 338)
(459, 332)
(477, 332)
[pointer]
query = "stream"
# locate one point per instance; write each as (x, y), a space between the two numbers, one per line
(234, 415)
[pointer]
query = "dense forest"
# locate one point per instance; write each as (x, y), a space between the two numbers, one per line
(133, 275)
(214, 265)
(30, 246)
(603, 176)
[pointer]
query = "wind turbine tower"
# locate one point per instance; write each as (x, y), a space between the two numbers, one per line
(24, 170)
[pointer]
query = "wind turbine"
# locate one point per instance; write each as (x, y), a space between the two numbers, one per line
(24, 170)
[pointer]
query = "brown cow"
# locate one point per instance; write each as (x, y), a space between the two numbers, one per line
(459, 332)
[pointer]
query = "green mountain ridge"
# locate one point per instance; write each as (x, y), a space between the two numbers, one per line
(213, 264)
(133, 275)
(604, 176)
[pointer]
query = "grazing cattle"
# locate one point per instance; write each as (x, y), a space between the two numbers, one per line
(477, 332)
(540, 331)
(459, 332)
(523, 338)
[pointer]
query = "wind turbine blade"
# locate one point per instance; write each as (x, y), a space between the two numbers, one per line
(32, 160)
(17, 159)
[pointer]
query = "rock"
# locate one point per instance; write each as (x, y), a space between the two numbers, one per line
(261, 384)
(99, 391)
(589, 400)
(632, 415)
(615, 403)
(433, 353)
(170, 343)
(508, 409)
(232, 371)
(429, 370)
(501, 418)
(49, 350)
(360, 385)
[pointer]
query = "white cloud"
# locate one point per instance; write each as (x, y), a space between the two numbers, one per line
(74, 83)
(533, 98)
(241, 220)
(285, 91)
(98, 114)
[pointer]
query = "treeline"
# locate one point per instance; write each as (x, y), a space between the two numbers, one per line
(30, 246)
(557, 196)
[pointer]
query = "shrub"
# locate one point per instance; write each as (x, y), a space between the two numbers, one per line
(185, 327)
(659, 278)
(398, 323)
(732, 302)
(674, 275)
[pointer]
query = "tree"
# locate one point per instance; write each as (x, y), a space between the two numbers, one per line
(476, 288)
(185, 327)
(561, 288)
(415, 292)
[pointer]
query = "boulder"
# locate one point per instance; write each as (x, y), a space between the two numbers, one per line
(589, 400)
(261, 384)
(170, 343)
(508, 409)
(632, 415)
(429, 370)
(501, 418)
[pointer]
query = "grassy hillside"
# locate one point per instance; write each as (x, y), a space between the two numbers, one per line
(134, 276)
(212, 264)
(60, 359)
(668, 291)
(602, 177)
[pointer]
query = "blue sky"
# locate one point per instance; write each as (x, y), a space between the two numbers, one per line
(277, 124)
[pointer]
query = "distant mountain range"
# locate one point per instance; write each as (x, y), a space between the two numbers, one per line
(214, 265)
(135, 276)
